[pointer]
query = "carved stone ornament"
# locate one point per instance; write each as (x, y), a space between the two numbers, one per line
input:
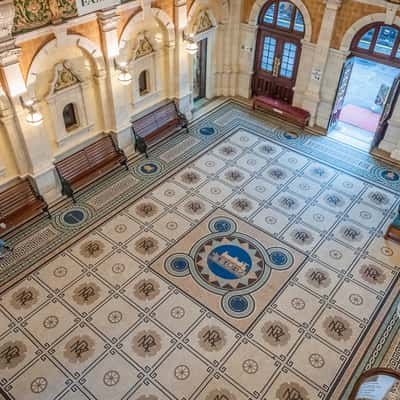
(64, 77)
(203, 22)
(7, 13)
(143, 47)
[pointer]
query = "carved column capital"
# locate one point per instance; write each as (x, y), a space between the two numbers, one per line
(333, 4)
(108, 19)
(9, 54)
(7, 13)
(180, 3)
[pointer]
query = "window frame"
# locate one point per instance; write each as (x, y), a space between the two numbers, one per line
(370, 53)
(146, 74)
(274, 25)
(76, 117)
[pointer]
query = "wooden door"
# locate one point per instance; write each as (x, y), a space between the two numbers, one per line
(277, 62)
(387, 111)
(341, 93)
(200, 71)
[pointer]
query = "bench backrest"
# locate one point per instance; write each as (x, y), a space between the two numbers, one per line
(16, 197)
(155, 120)
(84, 160)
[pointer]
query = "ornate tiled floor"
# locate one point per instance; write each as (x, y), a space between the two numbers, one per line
(246, 263)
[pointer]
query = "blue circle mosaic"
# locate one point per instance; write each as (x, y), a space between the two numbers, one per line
(74, 217)
(229, 262)
(238, 304)
(291, 135)
(179, 264)
(389, 175)
(222, 225)
(207, 131)
(149, 168)
(280, 258)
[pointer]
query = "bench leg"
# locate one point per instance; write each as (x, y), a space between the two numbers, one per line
(46, 210)
(125, 163)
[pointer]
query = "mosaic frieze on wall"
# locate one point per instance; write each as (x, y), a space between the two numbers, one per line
(31, 14)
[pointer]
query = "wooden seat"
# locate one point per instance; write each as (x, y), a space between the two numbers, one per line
(294, 114)
(19, 204)
(393, 230)
(162, 121)
(85, 166)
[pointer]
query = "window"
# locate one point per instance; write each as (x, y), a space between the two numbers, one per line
(288, 59)
(379, 41)
(268, 54)
(144, 83)
(69, 116)
(283, 15)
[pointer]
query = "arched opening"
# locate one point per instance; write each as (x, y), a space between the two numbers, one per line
(70, 117)
(144, 85)
(280, 30)
(368, 87)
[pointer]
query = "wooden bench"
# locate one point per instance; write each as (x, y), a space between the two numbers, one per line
(85, 166)
(20, 203)
(163, 120)
(393, 230)
(294, 114)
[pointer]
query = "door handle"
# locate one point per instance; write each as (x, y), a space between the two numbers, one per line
(277, 64)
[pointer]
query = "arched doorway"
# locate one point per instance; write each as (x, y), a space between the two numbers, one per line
(281, 28)
(368, 87)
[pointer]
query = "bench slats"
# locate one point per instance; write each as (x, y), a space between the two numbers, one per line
(158, 122)
(20, 203)
(88, 164)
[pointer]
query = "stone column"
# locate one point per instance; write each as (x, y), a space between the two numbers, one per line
(312, 95)
(183, 60)
(32, 141)
(115, 96)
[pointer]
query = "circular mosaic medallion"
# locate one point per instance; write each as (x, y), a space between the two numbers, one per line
(229, 263)
(148, 168)
(74, 216)
(39, 385)
(238, 306)
(223, 225)
(207, 131)
(178, 264)
(389, 175)
(280, 258)
(291, 135)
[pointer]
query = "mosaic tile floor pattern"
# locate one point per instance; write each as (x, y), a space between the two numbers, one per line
(116, 315)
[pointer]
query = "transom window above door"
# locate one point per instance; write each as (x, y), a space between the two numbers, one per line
(283, 15)
(378, 41)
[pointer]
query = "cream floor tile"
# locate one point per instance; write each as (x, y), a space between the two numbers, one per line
(298, 304)
(113, 377)
(220, 388)
(378, 198)
(227, 151)
(5, 323)
(215, 191)
(318, 362)
(268, 150)
(351, 234)
(115, 317)
(347, 184)
(336, 255)
(334, 201)
(234, 176)
(250, 367)
(305, 187)
(182, 373)
(92, 249)
(277, 174)
(276, 334)
(244, 139)
(338, 329)
(78, 350)
(385, 251)
(319, 218)
(292, 160)
(177, 313)
(212, 339)
(302, 237)
(375, 275)
(190, 178)
(120, 228)
(369, 217)
(242, 205)
(41, 382)
(260, 189)
(146, 210)
(169, 193)
(360, 302)
(251, 162)
(146, 246)
(51, 322)
(147, 390)
(319, 172)
(146, 344)
(24, 298)
(288, 203)
(60, 272)
(317, 278)
(209, 164)
(172, 226)
(195, 208)
(270, 220)
(117, 269)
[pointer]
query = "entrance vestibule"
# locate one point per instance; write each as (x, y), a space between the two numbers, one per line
(368, 87)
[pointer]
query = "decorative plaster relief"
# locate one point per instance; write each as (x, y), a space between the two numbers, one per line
(7, 13)
(203, 22)
(143, 47)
